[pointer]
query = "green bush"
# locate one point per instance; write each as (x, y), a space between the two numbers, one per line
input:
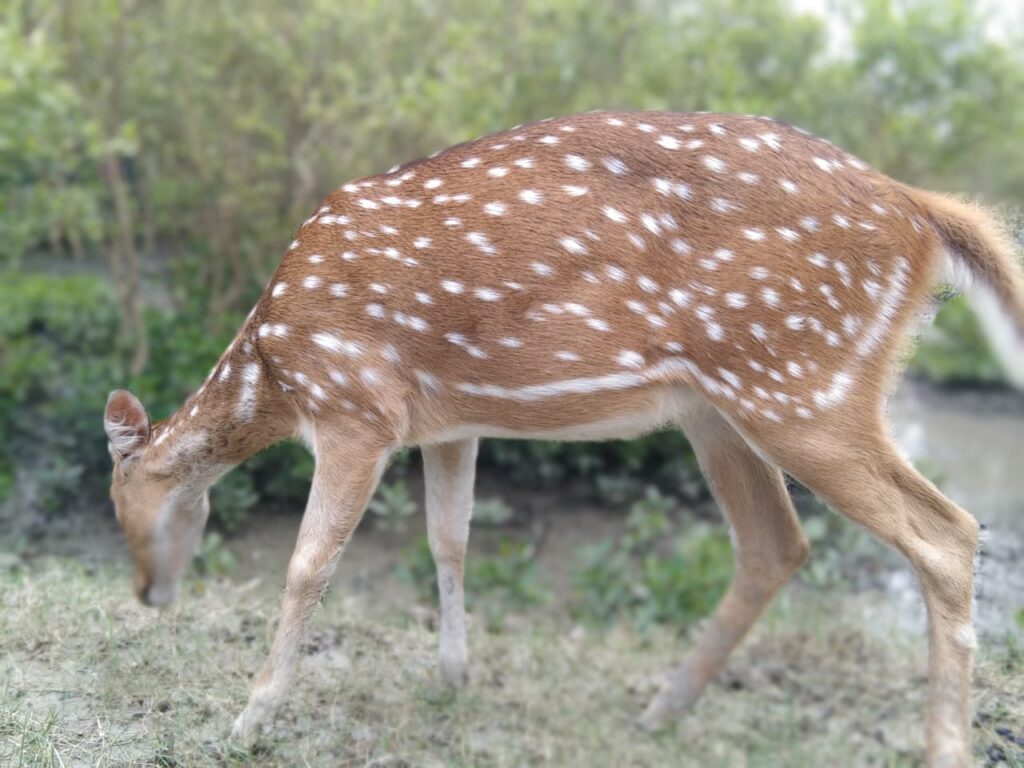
(61, 357)
(391, 506)
(954, 350)
(653, 574)
(56, 337)
(507, 578)
(233, 498)
(495, 583)
(492, 512)
(610, 466)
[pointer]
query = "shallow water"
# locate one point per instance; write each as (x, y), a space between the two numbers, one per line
(970, 443)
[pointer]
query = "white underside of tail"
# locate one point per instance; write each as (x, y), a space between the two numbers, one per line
(1003, 338)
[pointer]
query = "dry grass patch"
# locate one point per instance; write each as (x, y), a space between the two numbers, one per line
(90, 678)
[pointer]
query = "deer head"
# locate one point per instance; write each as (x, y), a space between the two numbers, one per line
(161, 509)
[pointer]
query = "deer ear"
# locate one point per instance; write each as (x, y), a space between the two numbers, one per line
(126, 423)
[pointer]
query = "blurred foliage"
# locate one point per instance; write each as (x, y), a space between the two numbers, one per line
(495, 582)
(505, 579)
(417, 570)
(227, 122)
(493, 511)
(58, 343)
(213, 557)
(842, 554)
(233, 498)
(53, 365)
(392, 506)
(652, 574)
(231, 119)
(953, 349)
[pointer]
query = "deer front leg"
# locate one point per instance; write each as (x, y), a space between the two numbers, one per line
(343, 482)
(449, 470)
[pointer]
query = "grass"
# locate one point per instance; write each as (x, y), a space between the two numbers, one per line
(91, 678)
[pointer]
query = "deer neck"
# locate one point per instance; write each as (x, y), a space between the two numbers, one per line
(237, 412)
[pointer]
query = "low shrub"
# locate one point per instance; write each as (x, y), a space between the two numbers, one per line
(391, 506)
(56, 337)
(660, 571)
(661, 457)
(495, 583)
(953, 349)
(61, 357)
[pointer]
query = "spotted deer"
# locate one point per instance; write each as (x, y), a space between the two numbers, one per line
(592, 277)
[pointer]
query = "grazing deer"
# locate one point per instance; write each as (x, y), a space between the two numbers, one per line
(592, 277)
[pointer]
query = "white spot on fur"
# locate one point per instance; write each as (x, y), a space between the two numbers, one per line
(573, 245)
(614, 214)
(965, 637)
(713, 163)
(835, 394)
(333, 343)
(577, 163)
(615, 165)
(487, 294)
(630, 359)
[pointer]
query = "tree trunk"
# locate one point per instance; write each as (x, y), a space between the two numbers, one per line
(125, 267)
(125, 264)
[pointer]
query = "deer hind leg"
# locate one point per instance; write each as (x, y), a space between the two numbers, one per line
(768, 545)
(346, 474)
(864, 477)
(449, 470)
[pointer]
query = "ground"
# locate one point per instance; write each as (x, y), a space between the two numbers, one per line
(94, 679)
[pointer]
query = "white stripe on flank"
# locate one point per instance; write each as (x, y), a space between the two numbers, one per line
(555, 388)
(606, 382)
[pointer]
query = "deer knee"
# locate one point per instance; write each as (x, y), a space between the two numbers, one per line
(760, 576)
(449, 550)
(307, 575)
(789, 558)
(945, 560)
(797, 553)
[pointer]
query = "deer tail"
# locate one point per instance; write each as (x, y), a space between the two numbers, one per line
(980, 259)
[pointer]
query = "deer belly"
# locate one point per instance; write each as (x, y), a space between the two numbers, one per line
(582, 421)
